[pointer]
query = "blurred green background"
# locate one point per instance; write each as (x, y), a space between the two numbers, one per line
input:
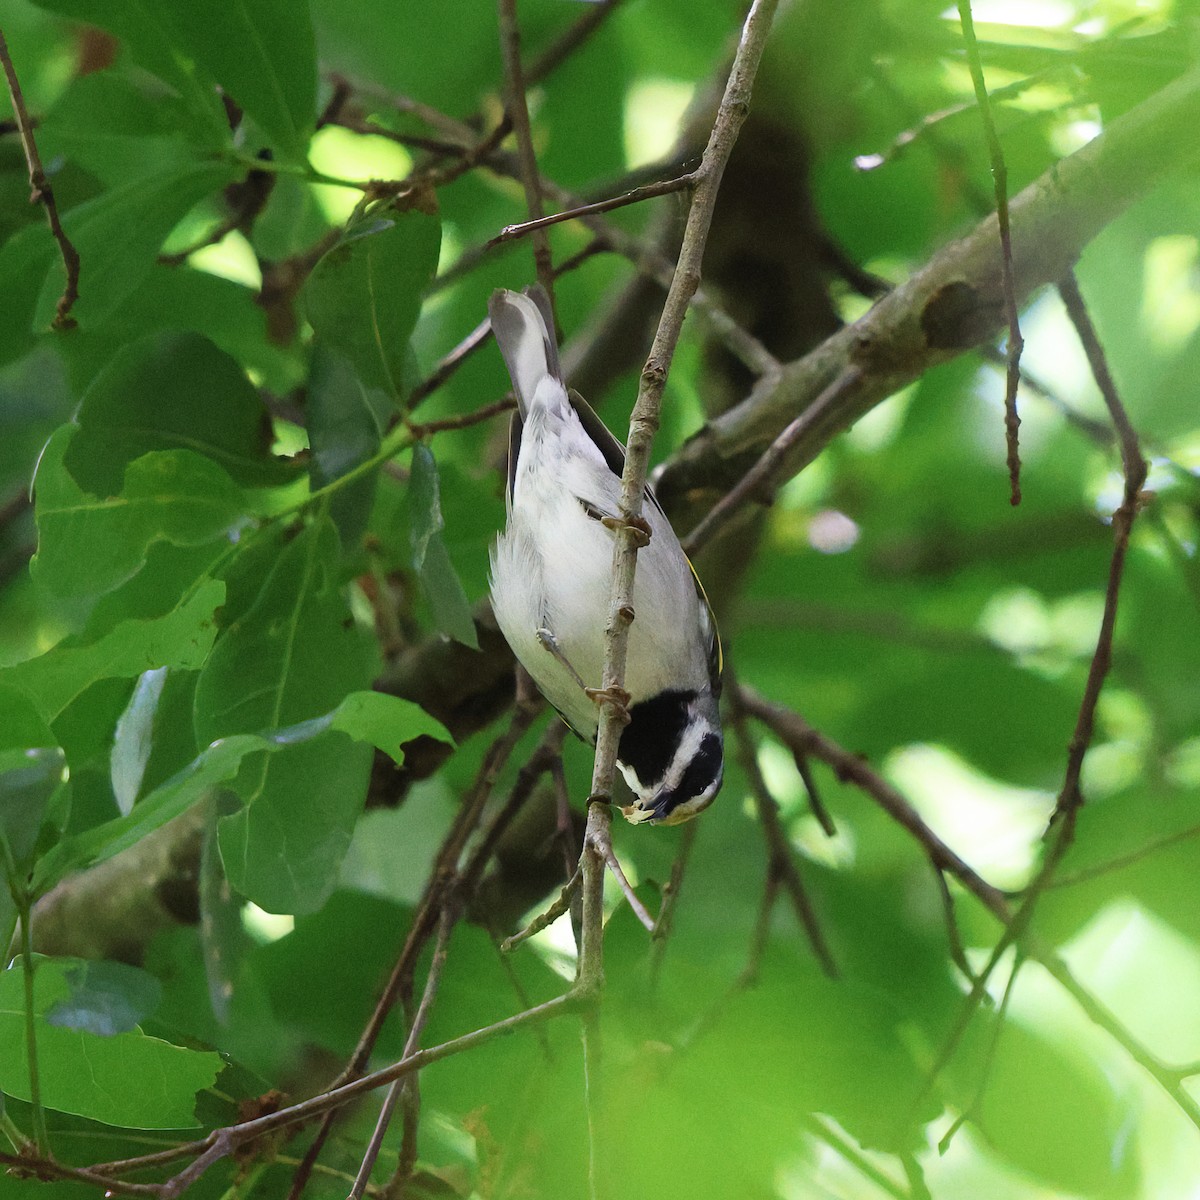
(209, 164)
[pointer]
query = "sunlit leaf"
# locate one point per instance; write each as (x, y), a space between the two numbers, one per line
(127, 1079)
(451, 609)
(118, 235)
(182, 638)
(171, 391)
(364, 295)
(291, 655)
(89, 545)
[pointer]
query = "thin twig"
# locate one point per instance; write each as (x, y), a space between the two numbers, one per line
(518, 112)
(1134, 469)
(471, 343)
(614, 865)
(560, 906)
(760, 481)
(437, 891)
(972, 1109)
(816, 805)
(661, 933)
(1070, 798)
(793, 729)
(571, 40)
(644, 420)
(781, 857)
(958, 953)
(47, 1168)
(1012, 421)
(463, 420)
(42, 193)
(647, 191)
(432, 980)
(223, 1142)
(795, 732)
(821, 1127)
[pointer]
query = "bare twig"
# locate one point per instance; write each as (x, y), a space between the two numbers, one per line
(1070, 798)
(441, 883)
(614, 865)
(795, 732)
(821, 1127)
(545, 919)
(42, 193)
(1012, 421)
(647, 191)
(791, 728)
(572, 38)
(672, 890)
(432, 980)
(762, 478)
(645, 417)
(46, 1168)
(955, 301)
(1134, 469)
(972, 1109)
(518, 113)
(224, 1142)
(462, 420)
(781, 857)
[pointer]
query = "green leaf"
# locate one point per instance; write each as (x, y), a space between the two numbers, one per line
(346, 420)
(182, 638)
(29, 780)
(1053, 1112)
(129, 1080)
(291, 656)
(146, 28)
(172, 391)
(106, 998)
(364, 295)
(88, 546)
(285, 849)
(133, 740)
(451, 609)
(118, 235)
(216, 765)
(263, 55)
(387, 722)
(424, 503)
(120, 131)
(24, 261)
(373, 719)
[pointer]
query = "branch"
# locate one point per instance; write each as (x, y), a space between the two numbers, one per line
(518, 114)
(647, 191)
(955, 302)
(42, 193)
(1012, 422)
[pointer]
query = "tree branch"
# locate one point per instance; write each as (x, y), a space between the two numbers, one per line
(42, 193)
(955, 302)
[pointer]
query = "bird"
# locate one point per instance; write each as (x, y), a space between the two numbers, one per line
(551, 573)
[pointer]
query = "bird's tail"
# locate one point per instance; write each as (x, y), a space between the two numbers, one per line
(523, 325)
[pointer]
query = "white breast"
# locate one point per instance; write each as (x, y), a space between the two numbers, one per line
(552, 569)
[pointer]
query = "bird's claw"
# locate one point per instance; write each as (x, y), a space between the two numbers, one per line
(617, 697)
(639, 525)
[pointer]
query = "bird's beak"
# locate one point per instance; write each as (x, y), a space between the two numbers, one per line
(635, 814)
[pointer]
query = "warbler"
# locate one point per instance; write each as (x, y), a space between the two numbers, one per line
(551, 575)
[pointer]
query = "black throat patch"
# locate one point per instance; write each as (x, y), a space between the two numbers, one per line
(649, 741)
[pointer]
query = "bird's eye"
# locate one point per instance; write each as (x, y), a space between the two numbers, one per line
(702, 772)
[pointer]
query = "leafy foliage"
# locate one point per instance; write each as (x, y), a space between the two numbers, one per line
(253, 730)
